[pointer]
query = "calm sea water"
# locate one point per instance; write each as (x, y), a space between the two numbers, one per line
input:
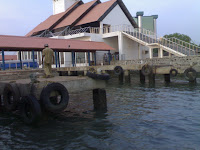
(139, 117)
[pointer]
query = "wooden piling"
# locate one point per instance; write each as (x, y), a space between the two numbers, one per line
(99, 100)
(127, 76)
(152, 78)
(121, 77)
(142, 77)
(167, 78)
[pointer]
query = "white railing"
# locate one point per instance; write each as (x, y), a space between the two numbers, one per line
(143, 35)
(186, 44)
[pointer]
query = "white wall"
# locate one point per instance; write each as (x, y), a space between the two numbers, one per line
(116, 17)
(130, 49)
(58, 6)
(62, 5)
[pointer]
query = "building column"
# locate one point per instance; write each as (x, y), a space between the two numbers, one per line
(73, 58)
(95, 58)
(20, 59)
(86, 60)
(150, 53)
(29, 55)
(160, 53)
(155, 17)
(89, 58)
(139, 15)
(109, 57)
(59, 59)
(3, 59)
(101, 28)
(38, 58)
(33, 54)
(56, 62)
(120, 45)
(41, 57)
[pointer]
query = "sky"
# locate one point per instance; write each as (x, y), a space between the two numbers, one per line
(18, 17)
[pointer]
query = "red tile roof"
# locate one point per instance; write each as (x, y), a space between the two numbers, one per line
(77, 13)
(16, 43)
(97, 12)
(9, 57)
(80, 14)
(49, 22)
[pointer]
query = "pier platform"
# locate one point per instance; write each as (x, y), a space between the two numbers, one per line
(73, 84)
(34, 96)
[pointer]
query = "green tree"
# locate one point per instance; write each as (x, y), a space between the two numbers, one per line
(179, 36)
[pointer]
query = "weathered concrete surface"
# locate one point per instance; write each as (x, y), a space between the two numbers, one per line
(21, 74)
(159, 65)
(73, 84)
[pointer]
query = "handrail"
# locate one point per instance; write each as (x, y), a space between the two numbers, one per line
(184, 42)
(141, 34)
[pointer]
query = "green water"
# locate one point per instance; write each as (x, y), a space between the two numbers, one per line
(139, 117)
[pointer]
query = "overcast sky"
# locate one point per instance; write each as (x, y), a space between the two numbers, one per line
(18, 17)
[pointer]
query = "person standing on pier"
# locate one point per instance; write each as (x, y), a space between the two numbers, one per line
(47, 56)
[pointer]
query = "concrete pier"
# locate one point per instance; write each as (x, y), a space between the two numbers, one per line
(73, 84)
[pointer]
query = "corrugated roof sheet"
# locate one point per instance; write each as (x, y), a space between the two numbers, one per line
(97, 12)
(22, 43)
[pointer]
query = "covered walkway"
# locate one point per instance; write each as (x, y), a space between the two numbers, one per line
(36, 44)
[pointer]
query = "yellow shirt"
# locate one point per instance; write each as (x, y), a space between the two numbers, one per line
(48, 55)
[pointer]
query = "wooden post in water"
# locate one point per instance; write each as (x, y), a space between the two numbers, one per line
(142, 77)
(167, 78)
(99, 100)
(127, 76)
(152, 78)
(121, 77)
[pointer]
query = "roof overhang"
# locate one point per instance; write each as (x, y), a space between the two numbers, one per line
(21, 43)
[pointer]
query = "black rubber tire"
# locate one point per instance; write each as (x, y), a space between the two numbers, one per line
(30, 110)
(118, 70)
(190, 74)
(11, 96)
(98, 76)
(46, 99)
(146, 70)
(92, 70)
(173, 72)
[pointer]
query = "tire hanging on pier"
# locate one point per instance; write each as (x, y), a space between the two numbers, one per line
(146, 70)
(190, 74)
(54, 97)
(118, 70)
(30, 109)
(11, 96)
(98, 76)
(173, 72)
(92, 70)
